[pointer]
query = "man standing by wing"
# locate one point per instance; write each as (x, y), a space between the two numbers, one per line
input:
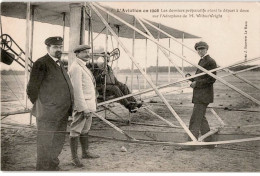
(85, 103)
(203, 94)
(51, 93)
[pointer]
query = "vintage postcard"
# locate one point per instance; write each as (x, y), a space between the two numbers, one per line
(130, 86)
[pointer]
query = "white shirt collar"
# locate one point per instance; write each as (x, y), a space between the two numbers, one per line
(204, 56)
(54, 58)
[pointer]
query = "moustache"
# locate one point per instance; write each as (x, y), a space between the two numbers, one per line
(58, 54)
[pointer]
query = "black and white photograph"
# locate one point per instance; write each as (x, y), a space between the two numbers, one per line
(130, 87)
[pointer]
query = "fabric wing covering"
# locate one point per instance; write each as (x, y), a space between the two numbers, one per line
(52, 13)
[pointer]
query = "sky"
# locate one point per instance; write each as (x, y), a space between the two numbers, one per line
(232, 29)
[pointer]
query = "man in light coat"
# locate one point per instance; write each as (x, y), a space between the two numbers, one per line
(51, 93)
(84, 104)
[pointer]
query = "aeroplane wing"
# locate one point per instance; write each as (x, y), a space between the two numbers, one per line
(52, 13)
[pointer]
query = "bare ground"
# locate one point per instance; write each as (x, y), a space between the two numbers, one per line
(18, 143)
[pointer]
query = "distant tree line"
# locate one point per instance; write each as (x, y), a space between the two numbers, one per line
(161, 69)
(12, 72)
(151, 69)
(241, 67)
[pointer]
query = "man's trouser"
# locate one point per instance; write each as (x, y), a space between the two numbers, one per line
(80, 124)
(120, 90)
(198, 121)
(50, 141)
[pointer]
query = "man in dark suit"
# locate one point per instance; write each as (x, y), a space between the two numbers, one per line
(51, 93)
(202, 93)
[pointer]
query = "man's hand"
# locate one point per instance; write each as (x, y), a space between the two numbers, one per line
(187, 75)
(86, 114)
(193, 84)
(105, 72)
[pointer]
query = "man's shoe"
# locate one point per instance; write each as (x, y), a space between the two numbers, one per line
(139, 104)
(132, 107)
(74, 152)
(76, 162)
(56, 168)
(84, 146)
(89, 155)
(134, 110)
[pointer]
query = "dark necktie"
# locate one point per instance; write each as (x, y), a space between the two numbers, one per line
(200, 61)
(58, 62)
(61, 66)
(64, 73)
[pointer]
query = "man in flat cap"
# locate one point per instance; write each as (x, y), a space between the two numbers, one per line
(51, 93)
(202, 93)
(85, 103)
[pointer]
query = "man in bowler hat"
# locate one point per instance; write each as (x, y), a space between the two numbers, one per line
(51, 93)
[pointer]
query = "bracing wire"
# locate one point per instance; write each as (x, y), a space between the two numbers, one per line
(112, 42)
(17, 80)
(14, 74)
(13, 92)
(1, 24)
(99, 33)
(113, 49)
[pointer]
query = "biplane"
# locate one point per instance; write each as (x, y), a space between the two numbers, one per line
(92, 17)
